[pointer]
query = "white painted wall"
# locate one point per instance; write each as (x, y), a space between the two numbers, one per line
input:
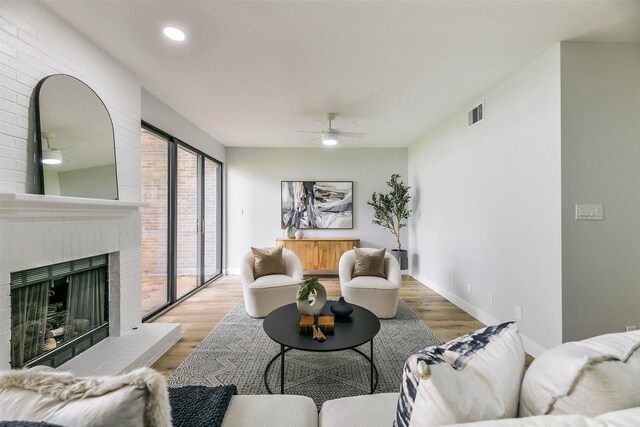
(253, 177)
(160, 115)
(487, 205)
(600, 165)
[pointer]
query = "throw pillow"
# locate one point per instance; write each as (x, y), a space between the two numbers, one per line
(369, 263)
(267, 261)
(473, 378)
(136, 399)
(589, 377)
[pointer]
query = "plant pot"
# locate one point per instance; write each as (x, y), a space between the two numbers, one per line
(316, 306)
(403, 258)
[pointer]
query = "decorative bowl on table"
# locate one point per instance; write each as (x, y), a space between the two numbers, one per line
(342, 310)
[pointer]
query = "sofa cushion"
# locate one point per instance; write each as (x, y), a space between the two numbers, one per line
(368, 282)
(541, 421)
(369, 262)
(589, 377)
(624, 418)
(274, 281)
(472, 378)
(138, 398)
(271, 411)
(26, 424)
(267, 261)
(372, 410)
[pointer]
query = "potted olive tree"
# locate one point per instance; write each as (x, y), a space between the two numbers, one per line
(391, 210)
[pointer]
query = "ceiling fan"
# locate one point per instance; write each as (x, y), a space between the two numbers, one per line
(52, 155)
(329, 135)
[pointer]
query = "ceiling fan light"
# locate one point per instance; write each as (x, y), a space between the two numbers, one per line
(330, 138)
(51, 157)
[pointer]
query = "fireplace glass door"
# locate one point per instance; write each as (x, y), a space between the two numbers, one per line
(58, 311)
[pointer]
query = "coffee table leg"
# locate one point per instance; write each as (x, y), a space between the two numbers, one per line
(371, 365)
(282, 369)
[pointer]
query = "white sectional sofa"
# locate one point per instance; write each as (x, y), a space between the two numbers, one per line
(591, 383)
(379, 410)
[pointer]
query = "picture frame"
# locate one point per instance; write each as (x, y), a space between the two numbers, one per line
(316, 204)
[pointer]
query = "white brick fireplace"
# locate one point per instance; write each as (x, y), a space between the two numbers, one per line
(40, 230)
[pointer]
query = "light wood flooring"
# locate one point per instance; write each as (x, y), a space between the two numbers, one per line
(201, 312)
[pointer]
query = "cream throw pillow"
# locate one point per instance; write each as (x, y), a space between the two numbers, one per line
(267, 261)
(473, 378)
(369, 263)
(136, 399)
(589, 377)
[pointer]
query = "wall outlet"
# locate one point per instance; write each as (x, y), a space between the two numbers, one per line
(241, 212)
(518, 312)
(453, 278)
(490, 298)
(631, 328)
(469, 291)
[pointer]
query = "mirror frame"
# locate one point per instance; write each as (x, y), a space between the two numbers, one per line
(39, 132)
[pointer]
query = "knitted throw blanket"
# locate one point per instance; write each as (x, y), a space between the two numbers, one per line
(200, 406)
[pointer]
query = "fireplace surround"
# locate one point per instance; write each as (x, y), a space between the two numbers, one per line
(38, 230)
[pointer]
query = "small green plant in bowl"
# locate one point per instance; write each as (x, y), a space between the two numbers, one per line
(307, 287)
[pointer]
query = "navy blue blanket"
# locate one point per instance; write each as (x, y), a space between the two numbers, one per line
(200, 406)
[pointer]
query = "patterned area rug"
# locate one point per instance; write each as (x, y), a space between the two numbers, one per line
(237, 351)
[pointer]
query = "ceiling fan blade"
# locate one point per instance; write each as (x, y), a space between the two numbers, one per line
(352, 134)
(309, 131)
(321, 124)
(315, 138)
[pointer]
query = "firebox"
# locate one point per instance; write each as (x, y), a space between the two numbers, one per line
(58, 311)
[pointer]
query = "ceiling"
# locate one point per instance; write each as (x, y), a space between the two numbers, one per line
(251, 73)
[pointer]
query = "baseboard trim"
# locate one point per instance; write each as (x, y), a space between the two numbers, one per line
(530, 346)
(232, 271)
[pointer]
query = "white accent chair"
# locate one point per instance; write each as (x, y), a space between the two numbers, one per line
(266, 293)
(378, 295)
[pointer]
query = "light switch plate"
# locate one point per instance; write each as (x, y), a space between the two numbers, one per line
(589, 212)
(518, 312)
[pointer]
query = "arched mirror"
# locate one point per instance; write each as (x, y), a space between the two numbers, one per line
(77, 147)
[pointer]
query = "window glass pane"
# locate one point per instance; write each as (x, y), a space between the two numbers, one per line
(187, 222)
(155, 192)
(212, 233)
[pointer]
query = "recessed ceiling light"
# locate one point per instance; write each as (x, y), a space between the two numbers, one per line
(174, 33)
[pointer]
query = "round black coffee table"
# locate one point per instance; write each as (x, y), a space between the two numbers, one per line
(281, 325)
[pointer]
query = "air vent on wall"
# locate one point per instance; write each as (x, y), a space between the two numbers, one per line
(476, 114)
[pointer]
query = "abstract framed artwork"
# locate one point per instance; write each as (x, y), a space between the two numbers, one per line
(316, 204)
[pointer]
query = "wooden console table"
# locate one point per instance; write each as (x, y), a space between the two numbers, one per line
(319, 254)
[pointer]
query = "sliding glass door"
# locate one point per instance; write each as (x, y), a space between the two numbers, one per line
(154, 151)
(182, 227)
(188, 218)
(212, 214)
